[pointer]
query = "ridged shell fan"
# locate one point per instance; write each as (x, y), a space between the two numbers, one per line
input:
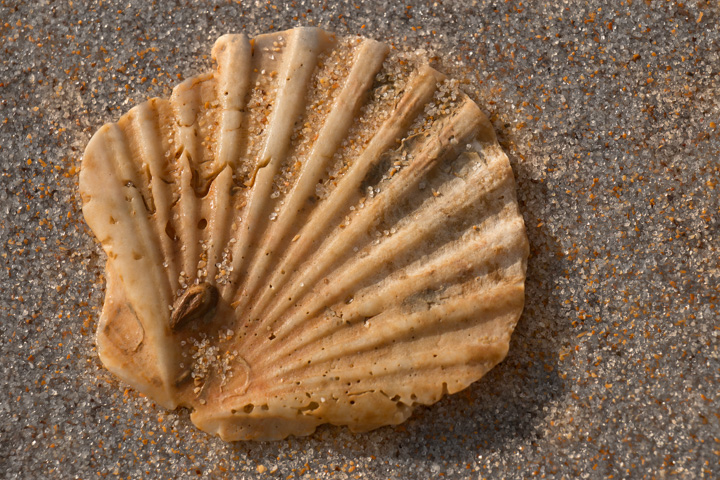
(322, 230)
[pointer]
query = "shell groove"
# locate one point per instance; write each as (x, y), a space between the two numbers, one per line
(318, 231)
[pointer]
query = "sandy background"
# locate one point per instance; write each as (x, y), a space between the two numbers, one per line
(609, 112)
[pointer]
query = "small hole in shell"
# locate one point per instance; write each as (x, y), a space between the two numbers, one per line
(202, 224)
(311, 406)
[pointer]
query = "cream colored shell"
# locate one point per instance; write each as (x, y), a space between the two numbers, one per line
(319, 231)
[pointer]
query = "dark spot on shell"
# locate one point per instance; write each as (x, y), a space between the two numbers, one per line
(196, 303)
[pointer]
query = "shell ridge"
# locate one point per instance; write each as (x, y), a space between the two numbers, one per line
(455, 315)
(416, 380)
(354, 272)
(146, 129)
(129, 158)
(450, 200)
(416, 95)
(434, 215)
(296, 70)
(233, 54)
(189, 106)
(421, 275)
(186, 211)
(334, 246)
(330, 255)
(416, 366)
(136, 211)
(336, 124)
(194, 168)
(218, 210)
(474, 256)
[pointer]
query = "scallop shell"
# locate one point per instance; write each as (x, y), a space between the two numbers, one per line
(318, 231)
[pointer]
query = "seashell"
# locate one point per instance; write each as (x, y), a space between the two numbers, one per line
(318, 231)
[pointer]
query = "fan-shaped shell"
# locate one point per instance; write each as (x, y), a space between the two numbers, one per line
(317, 231)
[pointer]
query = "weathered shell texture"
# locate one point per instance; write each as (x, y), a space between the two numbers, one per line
(321, 230)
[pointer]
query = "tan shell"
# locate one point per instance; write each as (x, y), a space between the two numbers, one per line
(317, 231)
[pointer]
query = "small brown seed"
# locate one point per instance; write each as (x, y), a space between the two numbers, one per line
(197, 301)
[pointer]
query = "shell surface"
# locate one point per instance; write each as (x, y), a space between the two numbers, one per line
(319, 231)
